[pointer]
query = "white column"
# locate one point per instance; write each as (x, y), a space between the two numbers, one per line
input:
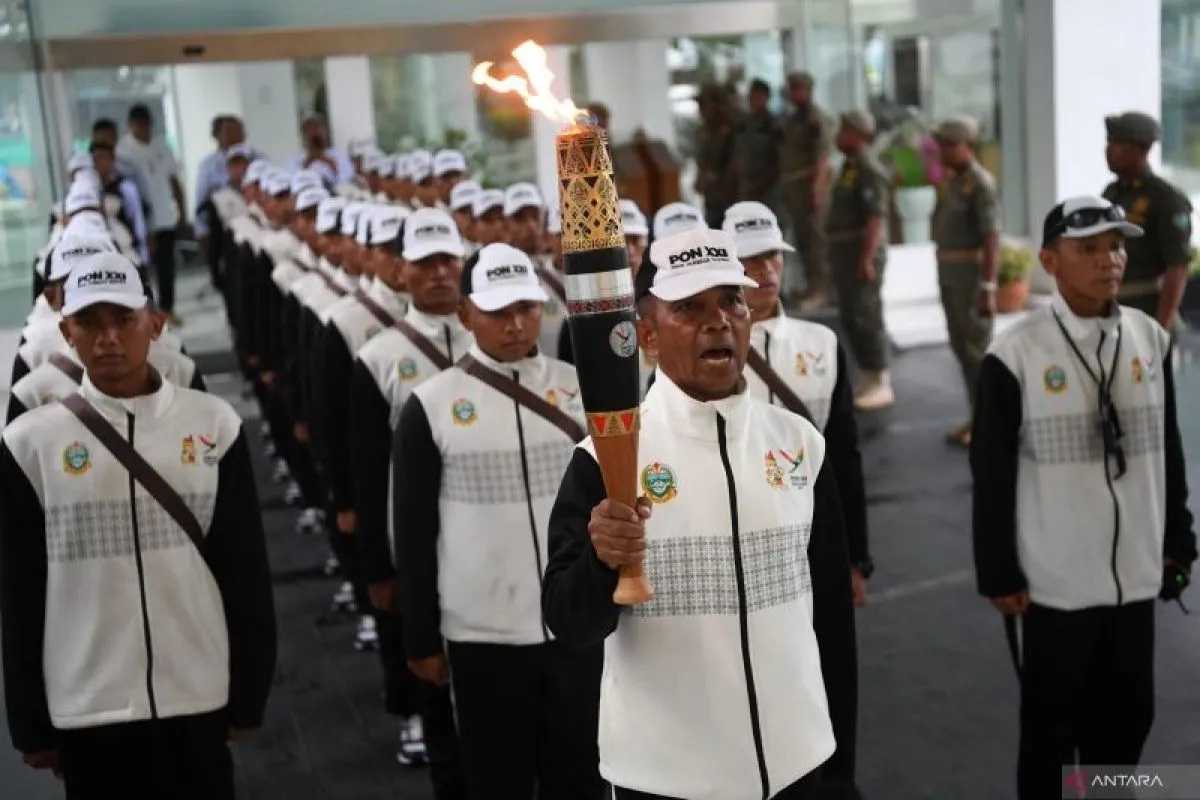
(631, 78)
(1083, 61)
(202, 91)
(269, 108)
(544, 130)
(351, 105)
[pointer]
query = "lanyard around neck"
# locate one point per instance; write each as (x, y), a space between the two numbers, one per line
(1104, 382)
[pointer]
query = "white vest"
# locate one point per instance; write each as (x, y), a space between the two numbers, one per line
(229, 204)
(804, 354)
(356, 324)
(1066, 520)
(398, 366)
(490, 564)
(675, 716)
(48, 384)
(95, 652)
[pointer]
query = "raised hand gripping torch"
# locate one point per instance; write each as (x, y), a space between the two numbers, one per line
(599, 288)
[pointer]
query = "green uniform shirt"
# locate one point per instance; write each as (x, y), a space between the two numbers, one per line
(1165, 214)
(807, 138)
(967, 209)
(756, 149)
(862, 191)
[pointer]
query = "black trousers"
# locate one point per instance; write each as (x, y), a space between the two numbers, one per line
(528, 716)
(183, 758)
(164, 268)
(803, 789)
(1087, 691)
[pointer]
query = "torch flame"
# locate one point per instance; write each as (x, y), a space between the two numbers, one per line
(536, 89)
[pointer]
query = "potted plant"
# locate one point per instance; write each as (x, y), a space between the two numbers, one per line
(912, 156)
(1012, 277)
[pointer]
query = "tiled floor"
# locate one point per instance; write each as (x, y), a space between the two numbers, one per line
(938, 697)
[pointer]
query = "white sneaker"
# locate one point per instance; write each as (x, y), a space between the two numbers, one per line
(366, 637)
(412, 752)
(875, 391)
(292, 495)
(311, 521)
(332, 565)
(343, 600)
(281, 473)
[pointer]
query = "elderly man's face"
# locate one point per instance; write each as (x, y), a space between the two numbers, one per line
(700, 342)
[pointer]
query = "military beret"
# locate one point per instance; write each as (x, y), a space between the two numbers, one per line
(956, 130)
(860, 120)
(1133, 126)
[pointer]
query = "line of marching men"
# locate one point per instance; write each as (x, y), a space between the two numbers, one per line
(399, 332)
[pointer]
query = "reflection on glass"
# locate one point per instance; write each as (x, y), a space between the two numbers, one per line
(1181, 94)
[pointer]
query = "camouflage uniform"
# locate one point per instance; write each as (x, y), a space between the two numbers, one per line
(756, 156)
(807, 140)
(717, 180)
(966, 214)
(860, 192)
(1165, 214)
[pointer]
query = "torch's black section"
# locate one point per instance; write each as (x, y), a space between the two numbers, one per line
(612, 379)
(609, 259)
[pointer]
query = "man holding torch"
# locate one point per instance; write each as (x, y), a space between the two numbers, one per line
(712, 689)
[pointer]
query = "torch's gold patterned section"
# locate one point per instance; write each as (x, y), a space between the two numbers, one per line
(591, 219)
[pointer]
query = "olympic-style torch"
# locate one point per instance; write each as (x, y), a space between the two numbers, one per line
(599, 287)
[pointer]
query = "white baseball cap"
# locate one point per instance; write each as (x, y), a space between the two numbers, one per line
(502, 275)
(370, 162)
(239, 150)
(1084, 216)
(463, 195)
(305, 179)
(87, 223)
(276, 183)
(402, 167)
(754, 228)
(428, 231)
(331, 213)
(691, 262)
(553, 220)
(73, 248)
(103, 278)
(385, 224)
(521, 195)
(487, 200)
(448, 161)
(81, 195)
(358, 224)
(255, 172)
(311, 197)
(676, 218)
(632, 219)
(386, 168)
(420, 165)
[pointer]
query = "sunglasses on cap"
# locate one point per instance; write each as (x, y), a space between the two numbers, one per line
(1085, 218)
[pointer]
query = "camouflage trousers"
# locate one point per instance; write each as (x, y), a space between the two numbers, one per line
(970, 333)
(860, 306)
(808, 234)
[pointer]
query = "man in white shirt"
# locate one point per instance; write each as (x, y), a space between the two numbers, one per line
(332, 164)
(158, 164)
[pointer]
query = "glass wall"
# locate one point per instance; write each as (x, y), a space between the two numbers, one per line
(25, 178)
(1181, 93)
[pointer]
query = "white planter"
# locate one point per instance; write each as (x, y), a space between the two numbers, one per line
(915, 206)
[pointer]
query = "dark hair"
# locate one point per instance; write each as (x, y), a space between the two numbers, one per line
(139, 113)
(759, 85)
(217, 122)
(464, 283)
(104, 124)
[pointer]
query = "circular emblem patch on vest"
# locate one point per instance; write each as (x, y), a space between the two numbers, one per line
(463, 412)
(1055, 379)
(76, 459)
(407, 369)
(658, 482)
(623, 339)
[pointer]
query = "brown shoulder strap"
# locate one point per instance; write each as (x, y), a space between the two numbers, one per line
(791, 401)
(67, 367)
(520, 394)
(422, 343)
(331, 284)
(377, 311)
(141, 471)
(553, 281)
